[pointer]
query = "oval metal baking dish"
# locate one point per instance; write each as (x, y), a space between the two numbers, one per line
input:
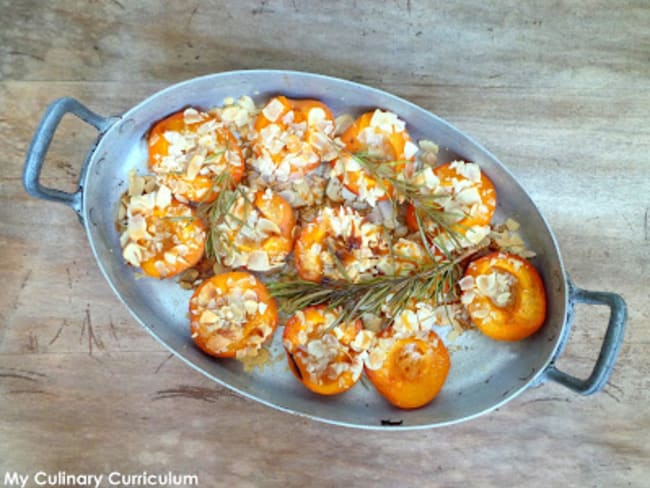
(484, 375)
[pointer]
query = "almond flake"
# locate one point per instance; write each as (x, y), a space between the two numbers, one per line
(192, 116)
(512, 225)
(251, 307)
(258, 261)
(316, 116)
(362, 341)
(268, 227)
(132, 253)
(208, 317)
(316, 348)
(480, 312)
(428, 146)
(343, 123)
(136, 184)
(194, 166)
(142, 204)
(273, 110)
(163, 197)
(466, 283)
(467, 297)
(410, 150)
(137, 228)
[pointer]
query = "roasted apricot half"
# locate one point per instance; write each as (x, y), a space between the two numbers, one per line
(293, 138)
(408, 370)
(374, 138)
(190, 151)
(504, 296)
(466, 194)
(327, 360)
(164, 237)
(256, 231)
(232, 315)
(340, 244)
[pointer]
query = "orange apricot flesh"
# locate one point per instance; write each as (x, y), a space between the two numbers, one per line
(218, 148)
(515, 313)
(310, 325)
(223, 321)
(414, 370)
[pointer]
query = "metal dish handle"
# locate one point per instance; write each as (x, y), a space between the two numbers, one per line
(608, 351)
(41, 143)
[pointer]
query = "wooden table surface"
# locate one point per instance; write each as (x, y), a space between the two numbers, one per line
(559, 92)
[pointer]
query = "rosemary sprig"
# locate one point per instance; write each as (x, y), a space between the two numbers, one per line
(214, 213)
(179, 218)
(427, 205)
(382, 293)
(216, 154)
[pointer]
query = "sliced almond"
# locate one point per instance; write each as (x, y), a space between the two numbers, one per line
(121, 213)
(218, 343)
(142, 203)
(137, 227)
(481, 312)
(208, 317)
(258, 261)
(342, 123)
(466, 283)
(363, 340)
(502, 299)
(194, 166)
(375, 358)
(428, 146)
(192, 116)
(334, 190)
(486, 284)
(136, 184)
(133, 254)
(316, 348)
(410, 150)
(512, 225)
(266, 226)
(273, 110)
(150, 183)
(163, 197)
(316, 116)
(229, 114)
(161, 268)
(251, 307)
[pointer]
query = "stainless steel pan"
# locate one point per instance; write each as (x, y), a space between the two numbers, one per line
(484, 375)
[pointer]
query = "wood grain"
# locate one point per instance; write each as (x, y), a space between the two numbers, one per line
(559, 91)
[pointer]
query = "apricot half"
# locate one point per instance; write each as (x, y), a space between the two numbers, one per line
(471, 198)
(413, 370)
(383, 139)
(292, 138)
(327, 360)
(190, 150)
(504, 296)
(256, 232)
(162, 236)
(232, 315)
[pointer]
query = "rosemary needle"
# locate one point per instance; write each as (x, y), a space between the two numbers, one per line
(426, 205)
(390, 292)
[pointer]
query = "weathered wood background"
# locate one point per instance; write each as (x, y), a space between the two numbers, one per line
(559, 91)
